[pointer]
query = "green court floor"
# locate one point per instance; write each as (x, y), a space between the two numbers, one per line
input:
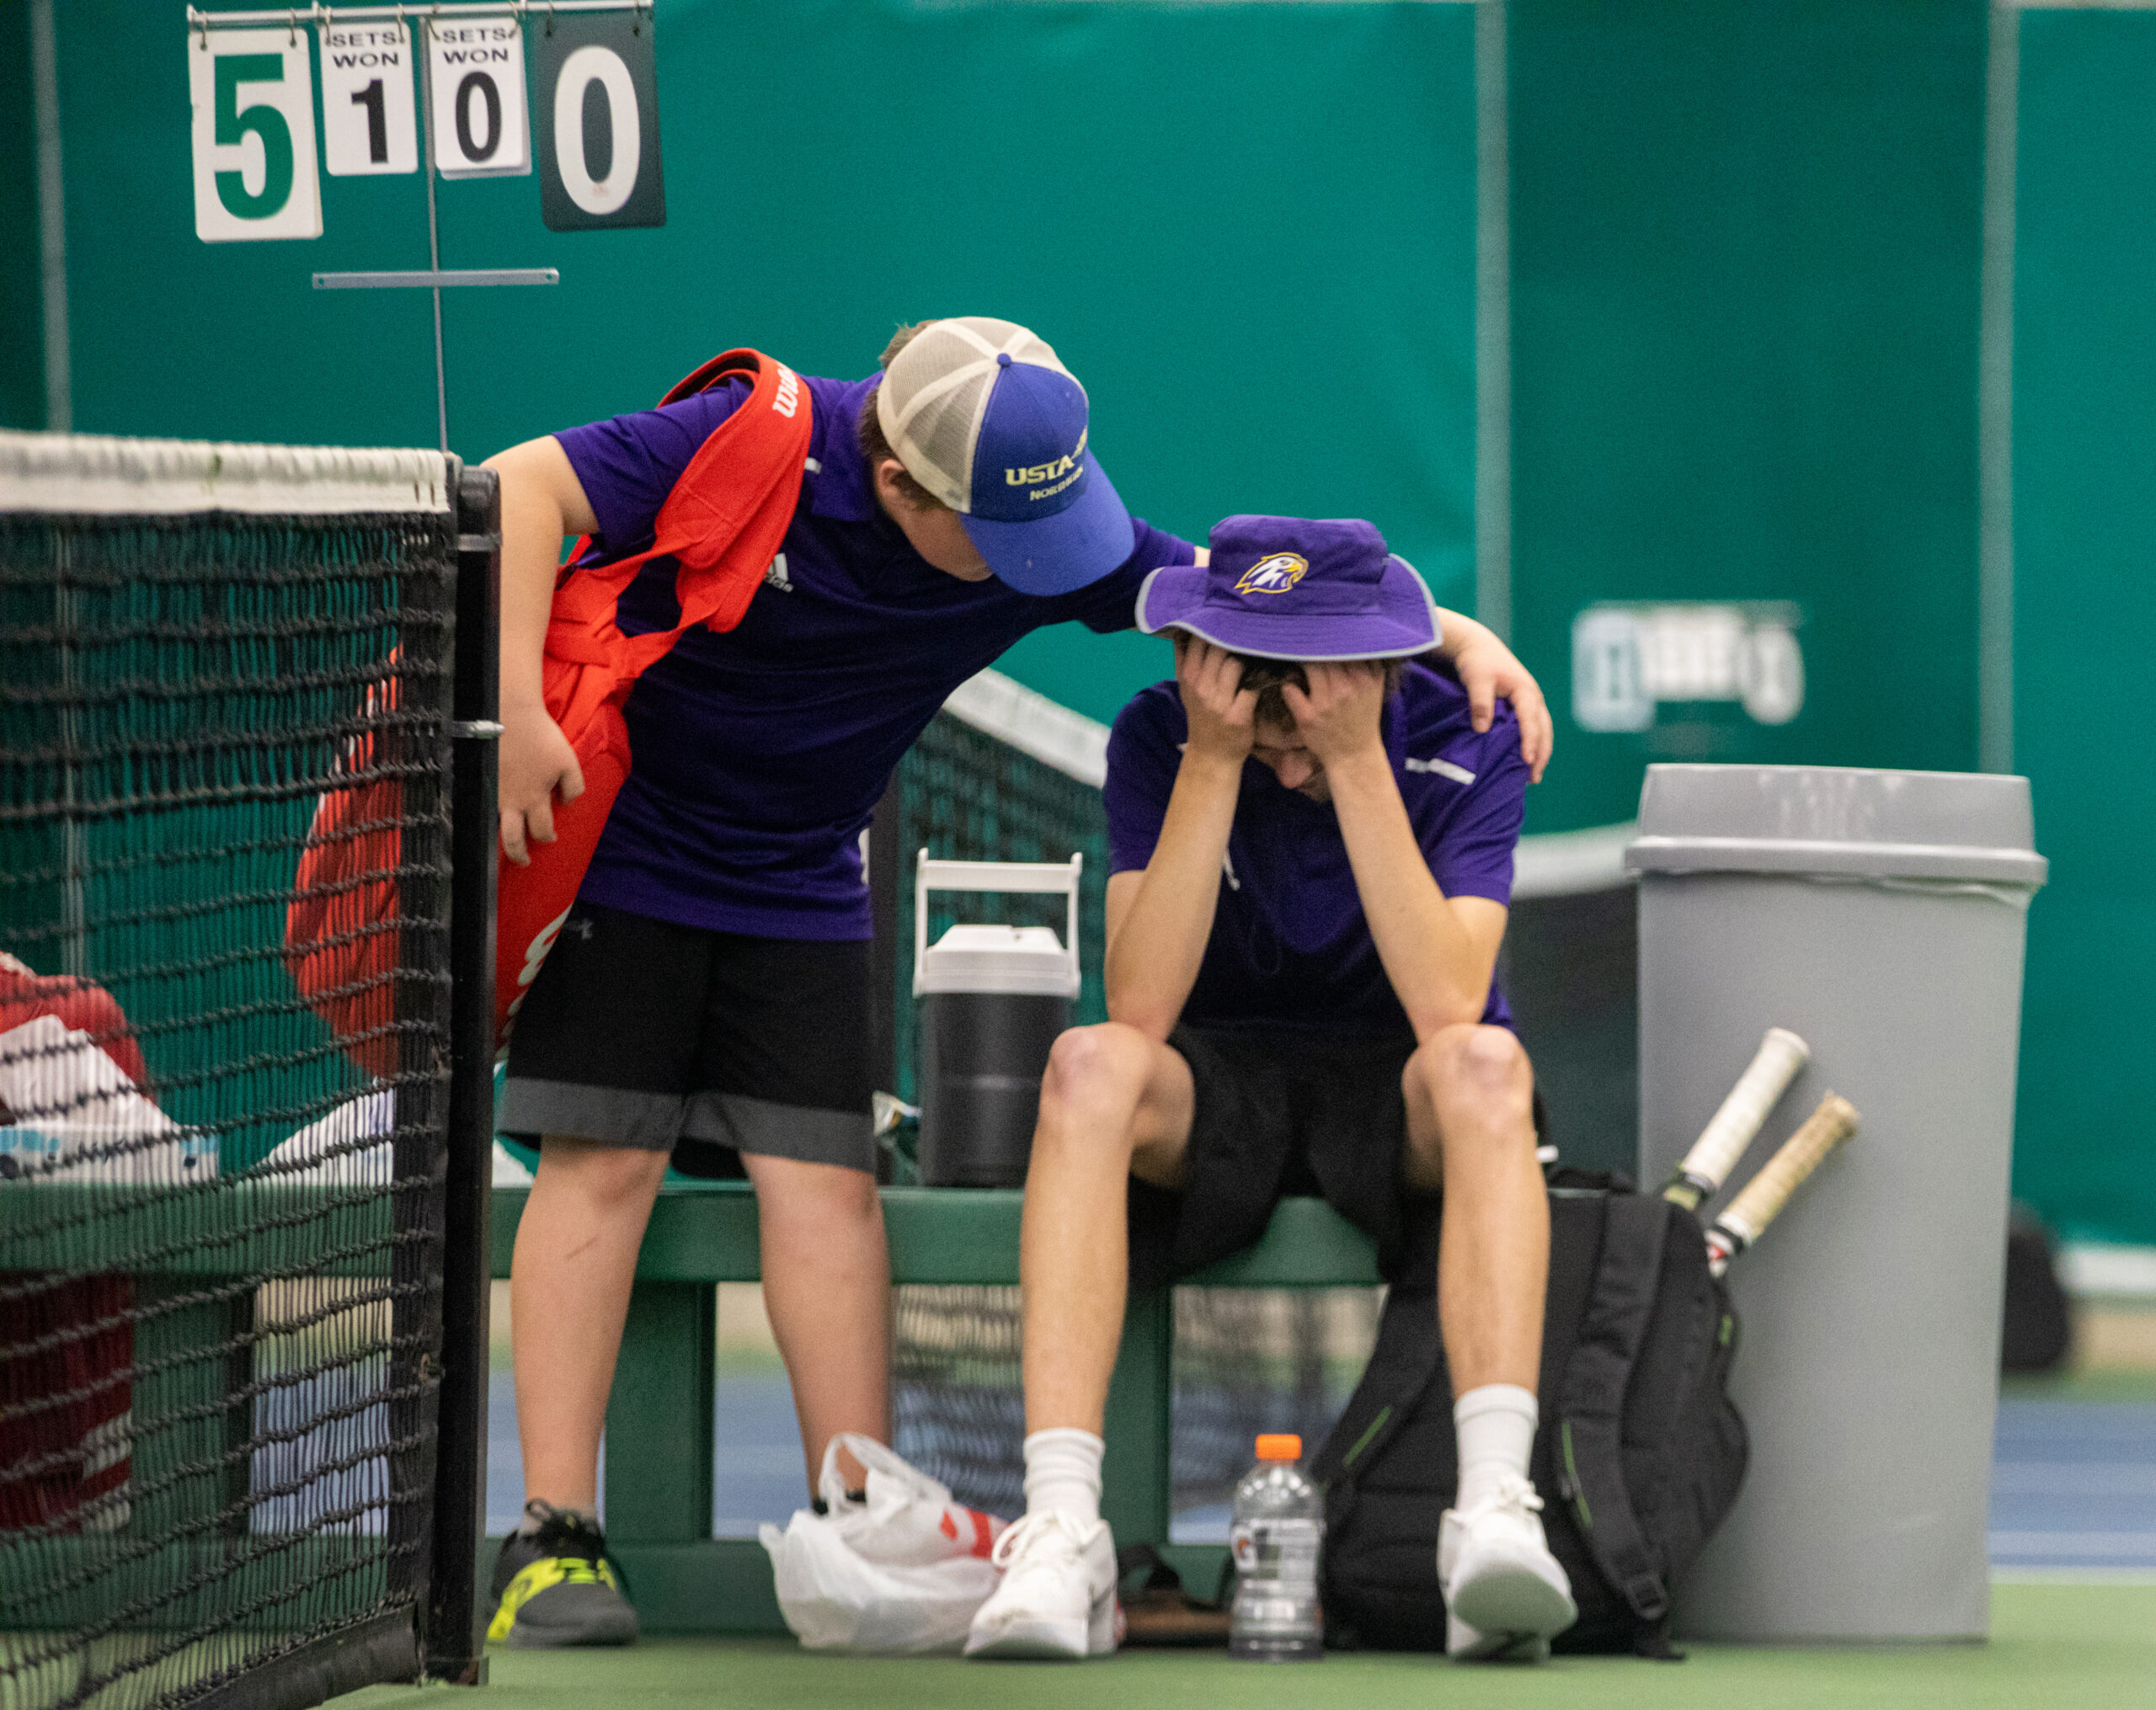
(2091, 1647)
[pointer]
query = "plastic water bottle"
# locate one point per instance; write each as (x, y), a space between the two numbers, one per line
(1276, 1533)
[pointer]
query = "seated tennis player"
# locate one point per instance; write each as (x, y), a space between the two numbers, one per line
(1311, 852)
(708, 999)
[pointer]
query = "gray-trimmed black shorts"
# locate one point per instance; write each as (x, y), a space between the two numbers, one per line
(662, 1037)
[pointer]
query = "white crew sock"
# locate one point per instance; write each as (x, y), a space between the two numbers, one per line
(1494, 1424)
(1062, 1470)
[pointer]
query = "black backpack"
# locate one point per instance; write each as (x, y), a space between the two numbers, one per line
(1639, 1454)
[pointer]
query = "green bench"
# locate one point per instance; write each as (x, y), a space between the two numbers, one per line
(659, 1424)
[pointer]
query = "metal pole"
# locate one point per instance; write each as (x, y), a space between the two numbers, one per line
(434, 225)
(51, 219)
(454, 1644)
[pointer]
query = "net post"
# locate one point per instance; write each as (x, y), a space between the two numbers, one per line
(454, 1643)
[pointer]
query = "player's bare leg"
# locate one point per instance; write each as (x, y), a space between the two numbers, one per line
(1471, 1128)
(827, 1287)
(570, 1280)
(576, 1261)
(1470, 1124)
(1114, 1102)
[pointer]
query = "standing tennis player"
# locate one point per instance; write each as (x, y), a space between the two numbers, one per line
(707, 1001)
(1311, 846)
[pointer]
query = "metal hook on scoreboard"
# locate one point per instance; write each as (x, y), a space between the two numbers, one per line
(638, 17)
(550, 16)
(292, 27)
(201, 19)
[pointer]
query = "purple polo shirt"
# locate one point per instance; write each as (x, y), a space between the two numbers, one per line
(760, 753)
(1289, 943)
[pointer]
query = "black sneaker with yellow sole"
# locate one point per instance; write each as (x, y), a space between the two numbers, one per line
(555, 1586)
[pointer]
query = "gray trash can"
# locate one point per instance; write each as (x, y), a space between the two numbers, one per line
(1881, 915)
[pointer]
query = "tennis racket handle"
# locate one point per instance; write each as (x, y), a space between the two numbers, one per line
(1722, 1141)
(1765, 1195)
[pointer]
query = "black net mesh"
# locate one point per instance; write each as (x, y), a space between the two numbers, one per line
(222, 1081)
(1246, 1360)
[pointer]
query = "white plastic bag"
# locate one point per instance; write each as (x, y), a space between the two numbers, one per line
(904, 1571)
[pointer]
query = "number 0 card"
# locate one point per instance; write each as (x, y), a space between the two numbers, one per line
(369, 123)
(255, 171)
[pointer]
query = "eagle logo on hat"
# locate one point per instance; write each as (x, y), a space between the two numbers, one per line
(1275, 575)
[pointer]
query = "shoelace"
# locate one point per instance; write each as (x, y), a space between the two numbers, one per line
(567, 1535)
(1511, 1491)
(1052, 1535)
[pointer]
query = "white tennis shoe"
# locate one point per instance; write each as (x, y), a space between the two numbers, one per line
(1058, 1595)
(1505, 1596)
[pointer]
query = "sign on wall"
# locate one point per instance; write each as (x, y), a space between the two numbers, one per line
(477, 67)
(1629, 661)
(595, 95)
(252, 93)
(369, 123)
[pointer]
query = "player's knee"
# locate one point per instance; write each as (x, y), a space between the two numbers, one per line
(1095, 1075)
(1096, 1065)
(1474, 1072)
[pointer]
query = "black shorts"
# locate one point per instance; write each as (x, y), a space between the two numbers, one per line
(645, 1034)
(1284, 1111)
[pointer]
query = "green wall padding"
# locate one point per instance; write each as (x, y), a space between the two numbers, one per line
(1745, 247)
(2085, 542)
(1248, 229)
(21, 339)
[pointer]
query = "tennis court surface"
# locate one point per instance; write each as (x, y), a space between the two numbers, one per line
(2089, 1646)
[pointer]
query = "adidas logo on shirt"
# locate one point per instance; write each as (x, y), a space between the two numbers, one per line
(775, 577)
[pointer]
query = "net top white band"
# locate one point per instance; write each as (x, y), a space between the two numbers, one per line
(93, 475)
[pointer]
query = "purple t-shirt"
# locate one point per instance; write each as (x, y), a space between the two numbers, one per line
(762, 753)
(1289, 943)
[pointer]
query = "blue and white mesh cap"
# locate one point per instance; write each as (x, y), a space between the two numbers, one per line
(985, 418)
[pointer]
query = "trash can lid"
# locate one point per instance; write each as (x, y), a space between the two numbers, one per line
(1836, 820)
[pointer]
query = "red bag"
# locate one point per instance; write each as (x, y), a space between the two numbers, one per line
(60, 1458)
(723, 524)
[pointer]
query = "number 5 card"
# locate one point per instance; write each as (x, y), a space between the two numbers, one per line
(368, 119)
(254, 172)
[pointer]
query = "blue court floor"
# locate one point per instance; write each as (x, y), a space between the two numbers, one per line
(2073, 1480)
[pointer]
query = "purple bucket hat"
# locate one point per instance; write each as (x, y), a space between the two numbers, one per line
(1288, 587)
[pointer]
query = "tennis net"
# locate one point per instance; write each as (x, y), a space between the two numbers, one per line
(225, 795)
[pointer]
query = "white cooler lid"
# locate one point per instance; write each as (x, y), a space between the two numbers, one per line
(1013, 961)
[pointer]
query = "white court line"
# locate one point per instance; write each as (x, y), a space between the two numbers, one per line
(2073, 1543)
(2073, 1478)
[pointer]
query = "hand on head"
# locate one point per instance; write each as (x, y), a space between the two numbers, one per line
(1221, 712)
(1338, 716)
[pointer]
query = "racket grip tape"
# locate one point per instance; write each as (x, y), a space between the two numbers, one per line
(1765, 1195)
(1732, 1128)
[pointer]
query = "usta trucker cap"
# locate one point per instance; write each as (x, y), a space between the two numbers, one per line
(985, 418)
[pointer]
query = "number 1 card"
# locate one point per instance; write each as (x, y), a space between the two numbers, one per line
(369, 123)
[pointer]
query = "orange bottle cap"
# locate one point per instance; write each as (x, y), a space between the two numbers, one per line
(1279, 1446)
